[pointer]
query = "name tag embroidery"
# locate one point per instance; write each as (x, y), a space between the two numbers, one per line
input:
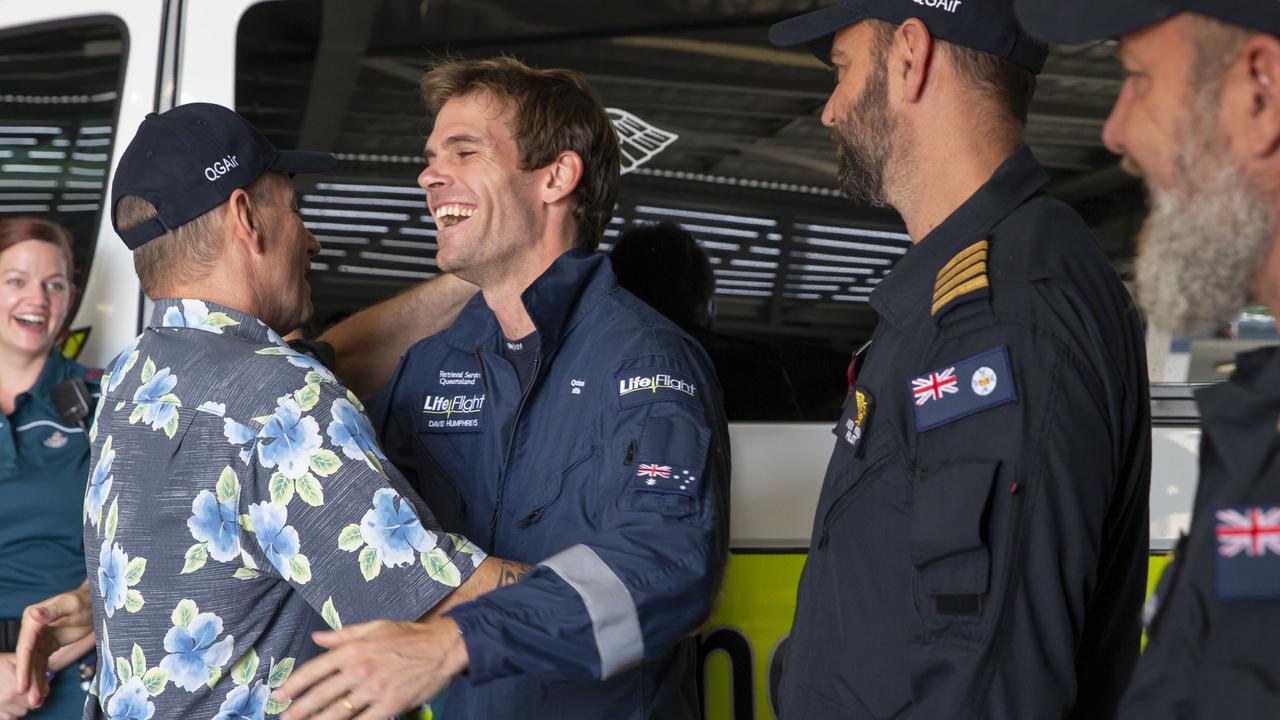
(452, 413)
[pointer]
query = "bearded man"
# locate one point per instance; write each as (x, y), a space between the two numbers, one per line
(979, 547)
(1199, 118)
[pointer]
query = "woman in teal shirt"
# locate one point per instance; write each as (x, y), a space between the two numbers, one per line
(44, 463)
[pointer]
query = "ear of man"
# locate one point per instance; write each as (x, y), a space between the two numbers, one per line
(1261, 55)
(244, 222)
(561, 177)
(911, 58)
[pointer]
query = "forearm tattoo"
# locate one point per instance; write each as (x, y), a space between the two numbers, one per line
(510, 573)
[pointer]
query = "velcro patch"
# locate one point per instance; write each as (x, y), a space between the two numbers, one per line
(970, 386)
(1248, 557)
(668, 479)
(641, 386)
(450, 412)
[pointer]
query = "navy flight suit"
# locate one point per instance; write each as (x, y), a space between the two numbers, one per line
(610, 474)
(1214, 621)
(980, 544)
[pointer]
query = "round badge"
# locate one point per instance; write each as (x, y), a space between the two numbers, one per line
(984, 381)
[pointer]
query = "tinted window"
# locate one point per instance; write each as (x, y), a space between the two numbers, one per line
(58, 108)
(722, 134)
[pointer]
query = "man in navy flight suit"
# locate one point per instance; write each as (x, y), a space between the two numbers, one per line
(559, 422)
(1199, 118)
(979, 547)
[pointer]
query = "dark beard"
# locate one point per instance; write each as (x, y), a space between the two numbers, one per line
(863, 137)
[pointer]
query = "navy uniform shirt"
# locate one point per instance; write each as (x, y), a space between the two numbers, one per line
(44, 464)
(1214, 620)
(979, 548)
(609, 471)
(238, 502)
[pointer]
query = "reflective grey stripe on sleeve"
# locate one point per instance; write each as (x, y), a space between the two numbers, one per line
(614, 620)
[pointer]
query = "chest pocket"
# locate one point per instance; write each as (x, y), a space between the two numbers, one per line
(962, 542)
(440, 459)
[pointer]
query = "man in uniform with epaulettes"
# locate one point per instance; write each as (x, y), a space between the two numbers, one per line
(979, 547)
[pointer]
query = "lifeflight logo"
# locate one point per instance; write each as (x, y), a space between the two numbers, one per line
(654, 383)
(460, 412)
(643, 385)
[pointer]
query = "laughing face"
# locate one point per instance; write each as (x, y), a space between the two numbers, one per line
(484, 204)
(35, 296)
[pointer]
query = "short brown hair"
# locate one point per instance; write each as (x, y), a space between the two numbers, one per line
(14, 230)
(187, 251)
(1010, 86)
(555, 110)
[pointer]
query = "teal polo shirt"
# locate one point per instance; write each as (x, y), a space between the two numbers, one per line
(44, 465)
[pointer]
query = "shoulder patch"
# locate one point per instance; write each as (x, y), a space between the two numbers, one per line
(1248, 557)
(641, 386)
(962, 279)
(666, 479)
(965, 388)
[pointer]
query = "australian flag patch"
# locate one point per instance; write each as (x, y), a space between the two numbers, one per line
(668, 479)
(967, 387)
(1248, 558)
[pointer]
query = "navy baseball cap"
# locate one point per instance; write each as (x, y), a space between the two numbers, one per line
(1085, 20)
(188, 160)
(986, 25)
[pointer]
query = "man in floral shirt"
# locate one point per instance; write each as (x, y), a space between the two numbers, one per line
(238, 500)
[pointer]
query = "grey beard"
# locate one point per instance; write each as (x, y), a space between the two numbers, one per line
(1202, 244)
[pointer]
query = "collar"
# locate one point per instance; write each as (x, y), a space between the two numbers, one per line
(556, 302)
(56, 369)
(213, 318)
(1242, 415)
(911, 282)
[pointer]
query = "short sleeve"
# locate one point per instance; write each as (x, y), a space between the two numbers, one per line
(325, 511)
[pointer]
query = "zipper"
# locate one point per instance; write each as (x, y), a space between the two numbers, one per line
(511, 441)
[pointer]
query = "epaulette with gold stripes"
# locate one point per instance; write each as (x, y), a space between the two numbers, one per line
(962, 279)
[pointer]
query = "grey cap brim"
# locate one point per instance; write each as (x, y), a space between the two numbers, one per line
(1081, 21)
(292, 162)
(816, 29)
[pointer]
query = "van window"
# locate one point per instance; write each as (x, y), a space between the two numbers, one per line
(58, 108)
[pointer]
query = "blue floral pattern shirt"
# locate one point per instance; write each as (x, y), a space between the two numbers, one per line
(237, 501)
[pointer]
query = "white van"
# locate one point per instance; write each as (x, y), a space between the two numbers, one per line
(722, 136)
